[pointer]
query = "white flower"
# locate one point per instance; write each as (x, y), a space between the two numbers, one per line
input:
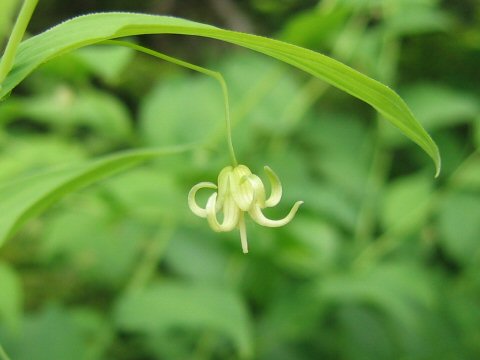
(240, 191)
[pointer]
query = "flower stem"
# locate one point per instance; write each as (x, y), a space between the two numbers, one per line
(216, 75)
(6, 63)
(227, 118)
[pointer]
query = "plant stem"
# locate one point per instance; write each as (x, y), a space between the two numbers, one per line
(392, 237)
(376, 178)
(151, 257)
(3, 354)
(216, 75)
(6, 63)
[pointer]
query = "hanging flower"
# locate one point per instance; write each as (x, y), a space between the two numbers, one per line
(239, 191)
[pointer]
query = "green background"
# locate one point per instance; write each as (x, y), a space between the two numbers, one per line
(381, 262)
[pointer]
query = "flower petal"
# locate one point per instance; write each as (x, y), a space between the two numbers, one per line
(257, 215)
(192, 203)
(241, 190)
(223, 185)
(258, 190)
(230, 214)
(276, 188)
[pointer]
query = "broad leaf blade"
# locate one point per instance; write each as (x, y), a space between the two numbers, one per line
(170, 305)
(26, 198)
(94, 28)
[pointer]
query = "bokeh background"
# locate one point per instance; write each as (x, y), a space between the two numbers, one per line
(381, 262)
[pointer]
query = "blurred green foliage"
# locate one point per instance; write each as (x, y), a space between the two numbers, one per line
(381, 262)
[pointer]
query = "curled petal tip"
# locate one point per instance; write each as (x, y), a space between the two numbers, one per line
(275, 186)
(295, 207)
(258, 216)
(192, 203)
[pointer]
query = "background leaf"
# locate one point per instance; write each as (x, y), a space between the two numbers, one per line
(364, 271)
(79, 334)
(11, 298)
(24, 199)
(165, 306)
(459, 229)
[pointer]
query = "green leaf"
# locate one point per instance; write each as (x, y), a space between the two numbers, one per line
(162, 121)
(11, 298)
(207, 260)
(405, 203)
(21, 200)
(79, 335)
(108, 62)
(467, 177)
(412, 19)
(65, 108)
(374, 343)
(315, 247)
(459, 226)
(141, 191)
(94, 28)
(26, 155)
(311, 28)
(168, 305)
(400, 289)
(110, 258)
(440, 106)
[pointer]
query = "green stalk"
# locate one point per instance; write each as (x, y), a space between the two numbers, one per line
(16, 37)
(216, 75)
(151, 257)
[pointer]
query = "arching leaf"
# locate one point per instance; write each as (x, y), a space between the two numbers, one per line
(94, 28)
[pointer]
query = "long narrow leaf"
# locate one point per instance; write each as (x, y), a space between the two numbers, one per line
(94, 28)
(24, 199)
